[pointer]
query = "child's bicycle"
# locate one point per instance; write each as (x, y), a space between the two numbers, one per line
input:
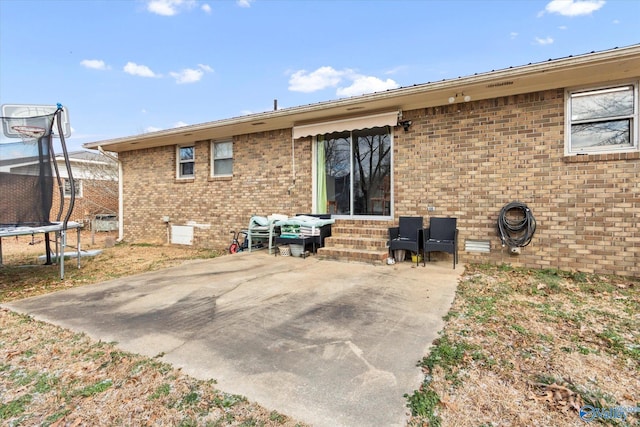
(235, 245)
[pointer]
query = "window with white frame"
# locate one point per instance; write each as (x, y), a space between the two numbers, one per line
(67, 187)
(602, 120)
(222, 158)
(186, 161)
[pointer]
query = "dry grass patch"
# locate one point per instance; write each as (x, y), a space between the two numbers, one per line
(50, 376)
(53, 377)
(524, 347)
(24, 275)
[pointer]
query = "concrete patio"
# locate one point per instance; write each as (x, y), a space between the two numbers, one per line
(328, 343)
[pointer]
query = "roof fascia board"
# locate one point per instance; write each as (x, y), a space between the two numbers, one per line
(300, 114)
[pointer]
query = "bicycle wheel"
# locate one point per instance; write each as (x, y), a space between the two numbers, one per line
(233, 248)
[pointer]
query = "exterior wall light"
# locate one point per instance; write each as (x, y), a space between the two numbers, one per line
(406, 124)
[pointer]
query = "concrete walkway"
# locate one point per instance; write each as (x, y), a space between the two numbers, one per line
(327, 343)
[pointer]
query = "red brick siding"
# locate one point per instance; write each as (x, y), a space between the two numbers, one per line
(262, 175)
(469, 160)
(466, 160)
(97, 197)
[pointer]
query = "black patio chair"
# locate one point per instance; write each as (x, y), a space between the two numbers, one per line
(441, 236)
(407, 236)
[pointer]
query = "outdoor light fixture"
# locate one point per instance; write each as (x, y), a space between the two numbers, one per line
(465, 98)
(405, 124)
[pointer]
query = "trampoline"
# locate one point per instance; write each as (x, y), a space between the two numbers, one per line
(29, 176)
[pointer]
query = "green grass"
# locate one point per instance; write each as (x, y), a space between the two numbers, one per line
(93, 389)
(190, 399)
(15, 407)
(449, 356)
(162, 390)
(228, 400)
(277, 417)
(55, 417)
(45, 383)
(423, 403)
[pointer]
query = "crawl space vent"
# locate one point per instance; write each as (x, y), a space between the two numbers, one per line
(477, 246)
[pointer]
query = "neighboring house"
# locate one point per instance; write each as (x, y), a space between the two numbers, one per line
(96, 186)
(560, 136)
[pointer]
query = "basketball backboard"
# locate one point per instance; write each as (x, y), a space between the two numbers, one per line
(18, 114)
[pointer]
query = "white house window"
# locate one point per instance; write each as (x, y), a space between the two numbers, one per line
(67, 187)
(603, 120)
(222, 158)
(186, 161)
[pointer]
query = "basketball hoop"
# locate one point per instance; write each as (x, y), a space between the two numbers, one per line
(29, 133)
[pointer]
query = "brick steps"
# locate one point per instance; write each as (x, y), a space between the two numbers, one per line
(357, 242)
(360, 241)
(347, 254)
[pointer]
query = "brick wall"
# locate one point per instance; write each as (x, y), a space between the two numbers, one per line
(97, 197)
(469, 160)
(262, 184)
(465, 160)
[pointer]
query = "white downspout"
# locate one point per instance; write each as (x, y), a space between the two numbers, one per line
(120, 192)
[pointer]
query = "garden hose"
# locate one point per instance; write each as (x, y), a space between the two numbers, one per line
(516, 230)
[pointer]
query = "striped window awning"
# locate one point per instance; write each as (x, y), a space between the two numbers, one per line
(355, 123)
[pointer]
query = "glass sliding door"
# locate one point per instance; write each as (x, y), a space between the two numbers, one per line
(337, 167)
(357, 167)
(372, 171)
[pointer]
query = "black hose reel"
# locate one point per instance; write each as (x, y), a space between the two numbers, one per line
(516, 226)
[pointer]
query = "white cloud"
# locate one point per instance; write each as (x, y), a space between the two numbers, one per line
(139, 70)
(149, 129)
(326, 77)
(366, 84)
(543, 42)
(206, 8)
(191, 75)
(574, 7)
(244, 3)
(96, 64)
(188, 75)
(513, 35)
(169, 7)
(180, 124)
(322, 78)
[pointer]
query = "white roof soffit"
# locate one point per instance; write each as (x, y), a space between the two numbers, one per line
(365, 122)
(592, 68)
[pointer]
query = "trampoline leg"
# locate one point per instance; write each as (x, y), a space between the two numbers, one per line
(63, 243)
(78, 249)
(47, 248)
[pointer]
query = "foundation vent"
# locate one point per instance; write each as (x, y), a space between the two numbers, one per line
(477, 246)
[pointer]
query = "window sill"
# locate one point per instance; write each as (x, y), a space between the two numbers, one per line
(184, 180)
(220, 178)
(595, 157)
